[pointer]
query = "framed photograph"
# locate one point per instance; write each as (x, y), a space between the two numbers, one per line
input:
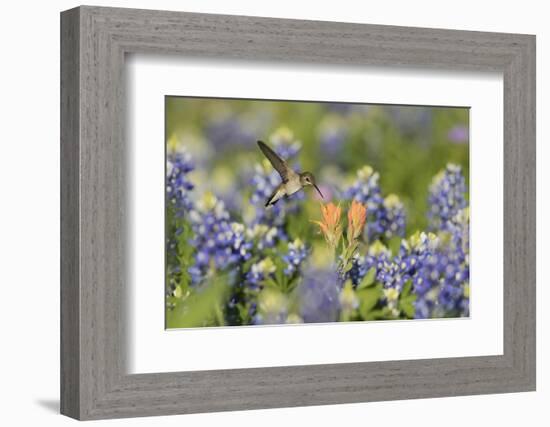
(247, 244)
(262, 213)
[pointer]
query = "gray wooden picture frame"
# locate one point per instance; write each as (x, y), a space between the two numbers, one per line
(94, 41)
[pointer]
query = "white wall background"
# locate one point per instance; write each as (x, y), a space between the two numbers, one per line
(29, 216)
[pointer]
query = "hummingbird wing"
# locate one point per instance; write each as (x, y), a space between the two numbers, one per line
(278, 164)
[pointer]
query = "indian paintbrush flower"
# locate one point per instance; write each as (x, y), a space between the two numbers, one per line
(330, 225)
(357, 215)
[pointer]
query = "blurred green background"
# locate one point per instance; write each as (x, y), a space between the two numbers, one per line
(407, 145)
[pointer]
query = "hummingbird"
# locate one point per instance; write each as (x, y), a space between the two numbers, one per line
(292, 181)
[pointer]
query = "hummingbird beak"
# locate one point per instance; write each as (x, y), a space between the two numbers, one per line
(319, 191)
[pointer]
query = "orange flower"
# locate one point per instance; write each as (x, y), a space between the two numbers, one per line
(330, 226)
(357, 215)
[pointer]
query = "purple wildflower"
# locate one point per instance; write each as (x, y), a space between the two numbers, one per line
(178, 185)
(385, 217)
(297, 253)
(447, 196)
(219, 243)
(459, 134)
(319, 296)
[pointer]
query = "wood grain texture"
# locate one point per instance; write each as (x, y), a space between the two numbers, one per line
(94, 267)
(70, 292)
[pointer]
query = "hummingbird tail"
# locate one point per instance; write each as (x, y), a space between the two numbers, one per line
(274, 198)
(270, 202)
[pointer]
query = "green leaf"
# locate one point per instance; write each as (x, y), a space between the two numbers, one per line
(406, 300)
(280, 276)
(248, 264)
(270, 282)
(369, 298)
(406, 305)
(407, 287)
(376, 314)
(201, 307)
(394, 244)
(348, 267)
(292, 283)
(368, 280)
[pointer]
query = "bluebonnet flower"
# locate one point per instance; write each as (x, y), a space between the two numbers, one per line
(459, 229)
(447, 196)
(332, 136)
(391, 275)
(377, 257)
(395, 272)
(390, 219)
(173, 268)
(436, 265)
(391, 297)
(459, 134)
(272, 308)
(455, 269)
(416, 262)
(358, 269)
(436, 271)
(411, 120)
(285, 144)
(229, 131)
(319, 294)
(297, 253)
(232, 200)
(178, 185)
(385, 217)
(410, 264)
(263, 236)
(366, 189)
(455, 292)
(219, 243)
(437, 292)
(220, 180)
(440, 276)
(258, 272)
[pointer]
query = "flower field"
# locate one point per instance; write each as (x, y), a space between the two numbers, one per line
(389, 239)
